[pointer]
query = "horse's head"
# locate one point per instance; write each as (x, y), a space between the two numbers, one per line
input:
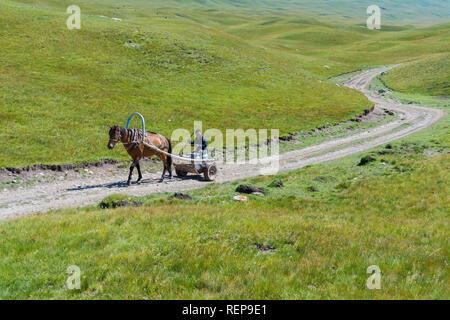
(114, 136)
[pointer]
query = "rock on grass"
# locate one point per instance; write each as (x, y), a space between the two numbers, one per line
(119, 201)
(276, 184)
(180, 196)
(249, 189)
(365, 160)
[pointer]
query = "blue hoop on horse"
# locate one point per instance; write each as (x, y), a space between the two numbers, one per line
(142, 120)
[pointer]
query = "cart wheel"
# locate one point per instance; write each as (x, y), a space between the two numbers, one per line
(210, 172)
(181, 173)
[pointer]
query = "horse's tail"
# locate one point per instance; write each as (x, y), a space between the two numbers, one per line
(169, 158)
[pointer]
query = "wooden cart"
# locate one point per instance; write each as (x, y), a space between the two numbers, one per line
(207, 168)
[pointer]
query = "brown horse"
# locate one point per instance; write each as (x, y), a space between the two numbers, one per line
(130, 139)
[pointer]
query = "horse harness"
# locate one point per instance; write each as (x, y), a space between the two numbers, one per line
(134, 140)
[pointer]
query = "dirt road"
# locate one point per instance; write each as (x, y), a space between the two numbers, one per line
(78, 191)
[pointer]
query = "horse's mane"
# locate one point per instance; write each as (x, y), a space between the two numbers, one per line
(139, 130)
(132, 133)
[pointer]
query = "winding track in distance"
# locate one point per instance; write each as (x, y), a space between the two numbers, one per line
(74, 193)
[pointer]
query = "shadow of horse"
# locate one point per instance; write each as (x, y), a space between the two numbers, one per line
(123, 184)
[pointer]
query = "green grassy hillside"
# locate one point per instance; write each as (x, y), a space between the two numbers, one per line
(343, 47)
(429, 76)
(61, 89)
(230, 68)
(393, 11)
(312, 239)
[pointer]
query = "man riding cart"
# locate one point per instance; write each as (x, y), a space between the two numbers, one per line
(200, 145)
(201, 162)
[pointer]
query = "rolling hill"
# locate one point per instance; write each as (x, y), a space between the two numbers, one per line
(393, 11)
(62, 89)
(428, 76)
(231, 66)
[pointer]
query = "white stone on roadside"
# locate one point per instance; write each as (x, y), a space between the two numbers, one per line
(131, 44)
(240, 198)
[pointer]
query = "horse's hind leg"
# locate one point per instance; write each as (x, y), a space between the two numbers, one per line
(170, 172)
(169, 168)
(163, 159)
(131, 173)
(138, 166)
(164, 172)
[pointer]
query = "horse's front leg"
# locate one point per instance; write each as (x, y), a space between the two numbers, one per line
(131, 173)
(138, 166)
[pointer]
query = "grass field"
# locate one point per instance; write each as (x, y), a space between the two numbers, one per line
(393, 12)
(424, 76)
(61, 89)
(312, 239)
